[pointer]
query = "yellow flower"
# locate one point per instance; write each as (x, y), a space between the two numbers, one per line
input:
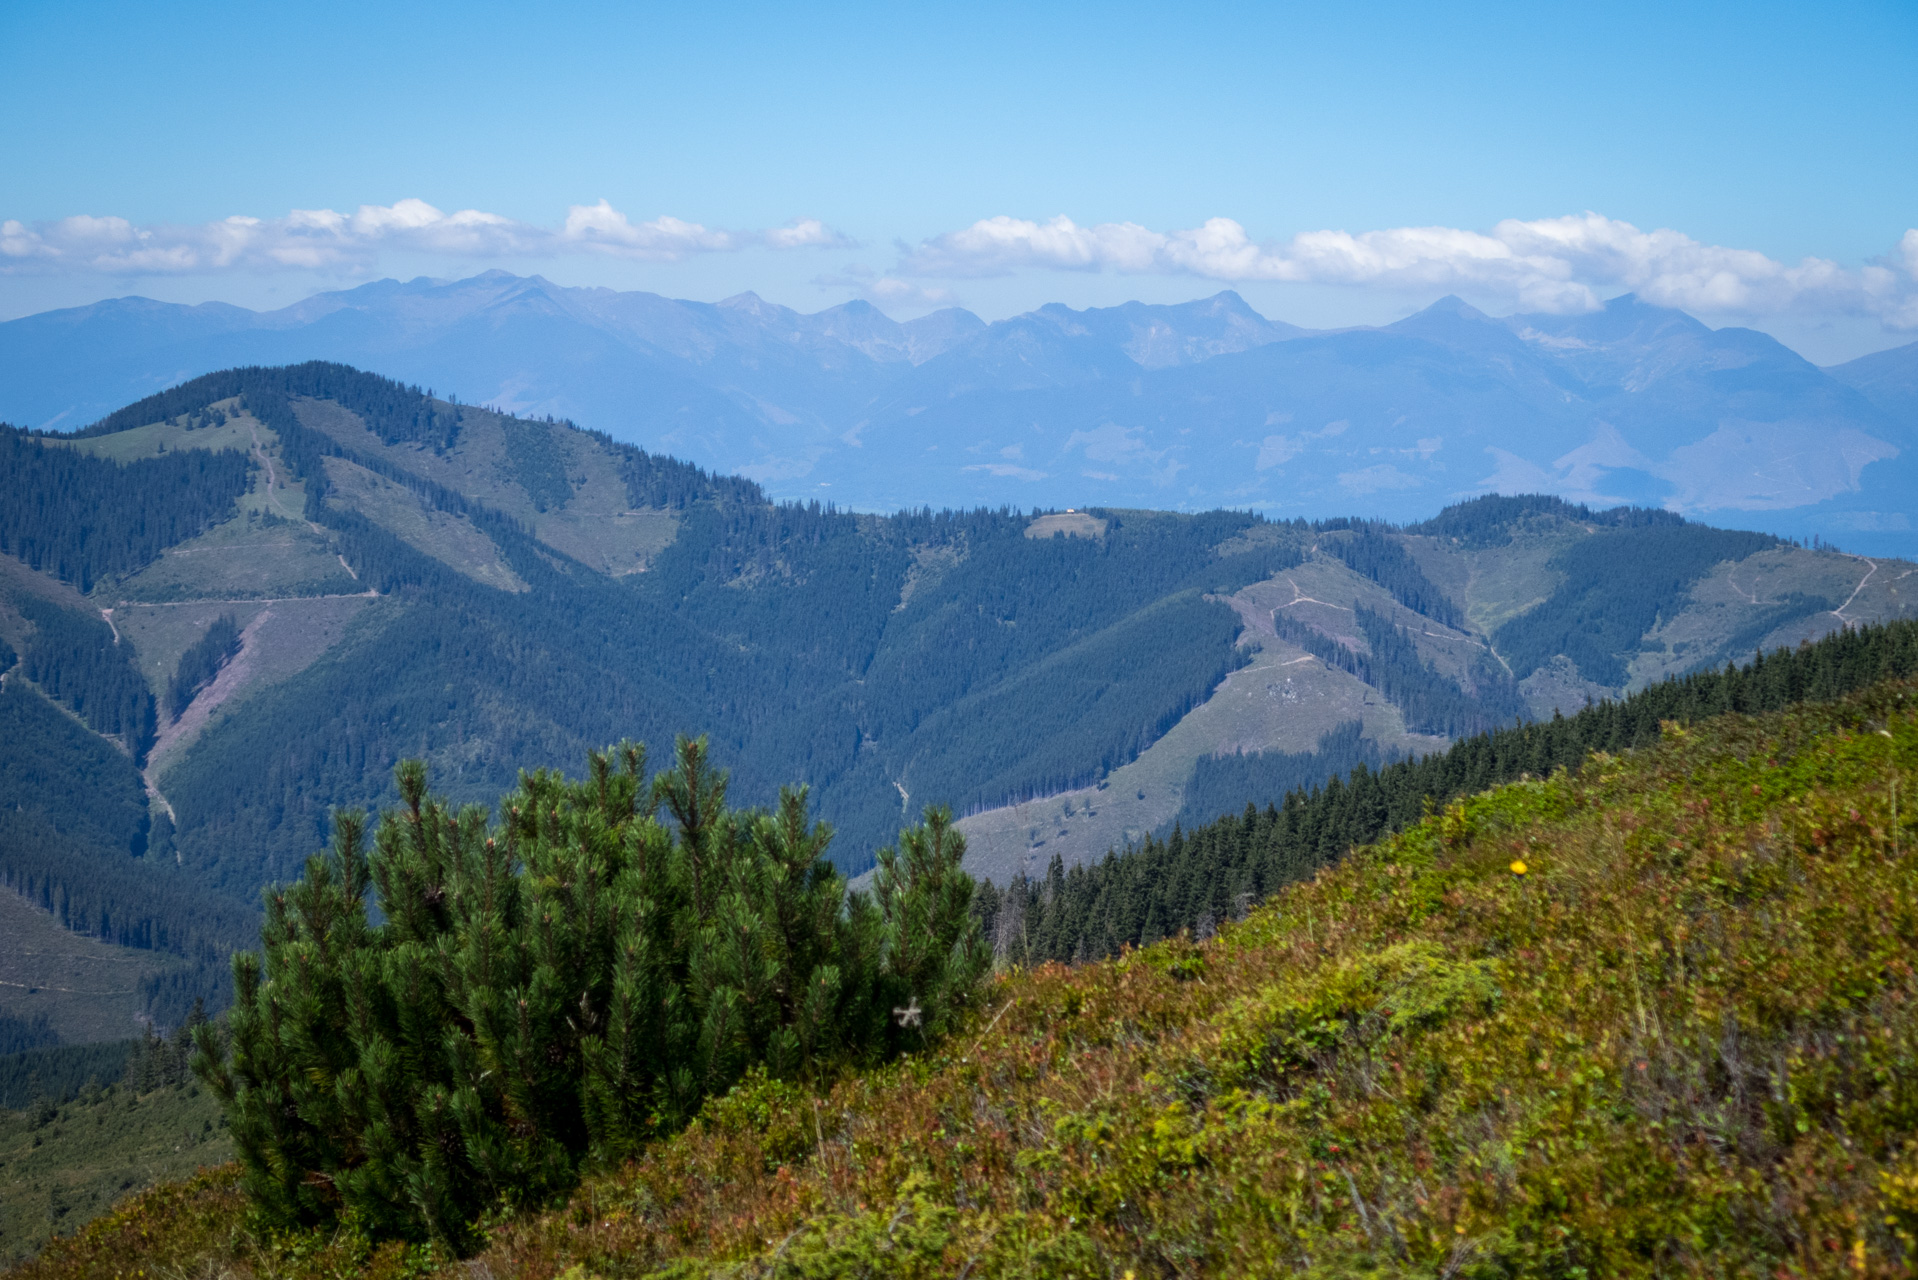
(1518, 867)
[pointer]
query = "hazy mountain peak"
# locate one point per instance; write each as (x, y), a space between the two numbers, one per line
(1226, 300)
(1450, 314)
(1059, 314)
(748, 302)
(1453, 305)
(1627, 318)
(134, 306)
(1889, 379)
(934, 334)
(1453, 321)
(859, 307)
(1160, 335)
(863, 327)
(1203, 402)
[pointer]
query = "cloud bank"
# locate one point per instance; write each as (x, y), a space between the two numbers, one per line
(1552, 264)
(323, 240)
(1563, 265)
(887, 291)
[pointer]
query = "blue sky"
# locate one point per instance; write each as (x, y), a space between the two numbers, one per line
(822, 154)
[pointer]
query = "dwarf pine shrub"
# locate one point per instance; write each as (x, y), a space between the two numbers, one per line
(554, 988)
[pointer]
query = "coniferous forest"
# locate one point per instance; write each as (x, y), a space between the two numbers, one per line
(1615, 588)
(79, 518)
(75, 658)
(1433, 703)
(1194, 879)
(818, 634)
(1373, 552)
(1650, 934)
(202, 662)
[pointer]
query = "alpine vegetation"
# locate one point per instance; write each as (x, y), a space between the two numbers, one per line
(549, 992)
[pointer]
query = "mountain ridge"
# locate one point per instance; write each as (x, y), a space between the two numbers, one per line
(1888, 378)
(1179, 407)
(407, 575)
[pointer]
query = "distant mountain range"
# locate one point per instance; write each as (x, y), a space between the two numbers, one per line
(1183, 407)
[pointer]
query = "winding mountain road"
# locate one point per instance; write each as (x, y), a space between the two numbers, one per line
(1839, 612)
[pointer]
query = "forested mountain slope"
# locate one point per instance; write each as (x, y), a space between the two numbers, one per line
(1207, 872)
(1384, 643)
(235, 604)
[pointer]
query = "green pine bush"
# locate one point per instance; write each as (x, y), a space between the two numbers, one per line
(550, 991)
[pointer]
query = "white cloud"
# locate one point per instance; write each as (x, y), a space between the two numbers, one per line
(1276, 451)
(1373, 479)
(325, 240)
(1006, 471)
(1110, 442)
(805, 233)
(1550, 264)
(908, 295)
(600, 226)
(889, 292)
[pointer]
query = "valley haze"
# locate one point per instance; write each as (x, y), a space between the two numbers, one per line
(1178, 407)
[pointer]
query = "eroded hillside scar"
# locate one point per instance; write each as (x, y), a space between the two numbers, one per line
(1299, 597)
(232, 676)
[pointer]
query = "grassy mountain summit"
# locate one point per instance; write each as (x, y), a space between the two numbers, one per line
(1651, 1018)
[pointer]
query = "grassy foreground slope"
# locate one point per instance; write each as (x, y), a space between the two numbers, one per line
(1658, 1018)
